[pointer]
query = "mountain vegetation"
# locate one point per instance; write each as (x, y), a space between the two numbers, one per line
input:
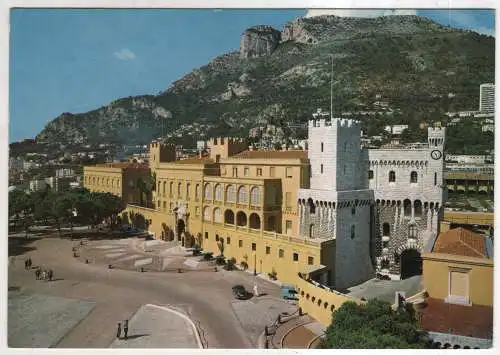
(418, 67)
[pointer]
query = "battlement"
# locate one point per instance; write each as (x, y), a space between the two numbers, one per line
(156, 144)
(225, 140)
(339, 122)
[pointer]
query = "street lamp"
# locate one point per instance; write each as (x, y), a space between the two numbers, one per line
(255, 264)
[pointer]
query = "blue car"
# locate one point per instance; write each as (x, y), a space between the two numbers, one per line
(288, 292)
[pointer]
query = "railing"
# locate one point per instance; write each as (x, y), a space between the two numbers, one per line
(241, 228)
(256, 231)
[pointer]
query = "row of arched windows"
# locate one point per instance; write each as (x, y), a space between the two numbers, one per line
(318, 301)
(165, 187)
(241, 196)
(241, 219)
(103, 181)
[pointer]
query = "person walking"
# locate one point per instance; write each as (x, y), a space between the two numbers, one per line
(125, 329)
(44, 275)
(30, 263)
(25, 264)
(37, 273)
(51, 274)
(119, 331)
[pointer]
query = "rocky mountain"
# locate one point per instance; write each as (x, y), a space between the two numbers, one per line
(418, 67)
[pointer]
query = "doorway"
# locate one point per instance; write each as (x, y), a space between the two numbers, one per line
(411, 263)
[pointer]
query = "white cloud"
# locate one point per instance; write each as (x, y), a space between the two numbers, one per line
(466, 19)
(359, 12)
(124, 54)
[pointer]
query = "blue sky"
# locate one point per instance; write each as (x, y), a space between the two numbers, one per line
(78, 60)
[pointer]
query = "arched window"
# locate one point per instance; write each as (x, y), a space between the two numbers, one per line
(254, 221)
(392, 176)
(229, 217)
(230, 194)
(241, 219)
(321, 168)
(255, 196)
(242, 195)
(217, 215)
(413, 177)
(412, 231)
(179, 189)
(188, 187)
(218, 192)
(311, 230)
(322, 147)
(206, 214)
(208, 192)
(386, 229)
(353, 231)
(407, 208)
(417, 205)
(171, 190)
(435, 179)
(197, 192)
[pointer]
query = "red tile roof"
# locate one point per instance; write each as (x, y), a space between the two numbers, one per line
(271, 154)
(461, 241)
(472, 321)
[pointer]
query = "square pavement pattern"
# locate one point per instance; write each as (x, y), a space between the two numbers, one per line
(40, 321)
(158, 327)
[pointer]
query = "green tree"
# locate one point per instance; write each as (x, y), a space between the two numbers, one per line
(373, 325)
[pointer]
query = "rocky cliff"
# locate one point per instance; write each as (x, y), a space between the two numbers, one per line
(279, 78)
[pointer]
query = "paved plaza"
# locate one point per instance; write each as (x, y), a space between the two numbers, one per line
(150, 326)
(256, 313)
(82, 307)
(40, 321)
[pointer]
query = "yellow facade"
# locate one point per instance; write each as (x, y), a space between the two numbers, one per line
(320, 303)
(437, 273)
(243, 202)
(117, 178)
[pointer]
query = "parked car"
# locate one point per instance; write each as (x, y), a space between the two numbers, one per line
(239, 292)
(288, 292)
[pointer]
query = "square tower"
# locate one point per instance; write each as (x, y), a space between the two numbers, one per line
(160, 152)
(335, 155)
(221, 148)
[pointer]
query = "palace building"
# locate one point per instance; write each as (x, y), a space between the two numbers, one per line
(337, 212)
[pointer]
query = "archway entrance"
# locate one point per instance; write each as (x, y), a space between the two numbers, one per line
(180, 229)
(411, 263)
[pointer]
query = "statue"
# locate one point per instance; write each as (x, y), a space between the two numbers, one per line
(255, 289)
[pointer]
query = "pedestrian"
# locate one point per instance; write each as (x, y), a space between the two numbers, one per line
(37, 274)
(25, 264)
(44, 275)
(51, 274)
(30, 263)
(119, 330)
(125, 329)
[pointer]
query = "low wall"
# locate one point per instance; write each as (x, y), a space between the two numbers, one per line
(320, 303)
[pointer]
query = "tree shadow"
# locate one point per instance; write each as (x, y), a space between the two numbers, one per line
(19, 246)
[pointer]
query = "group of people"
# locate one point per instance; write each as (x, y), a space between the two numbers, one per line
(125, 330)
(28, 263)
(44, 274)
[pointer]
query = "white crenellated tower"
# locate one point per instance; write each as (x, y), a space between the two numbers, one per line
(338, 205)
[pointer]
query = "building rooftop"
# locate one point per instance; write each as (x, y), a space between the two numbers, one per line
(463, 242)
(122, 165)
(195, 160)
(271, 154)
(472, 321)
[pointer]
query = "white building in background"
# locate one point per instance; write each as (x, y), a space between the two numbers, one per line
(200, 145)
(487, 98)
(396, 129)
(38, 185)
(16, 163)
(65, 173)
(468, 159)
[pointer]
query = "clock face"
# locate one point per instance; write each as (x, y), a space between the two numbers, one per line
(436, 154)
